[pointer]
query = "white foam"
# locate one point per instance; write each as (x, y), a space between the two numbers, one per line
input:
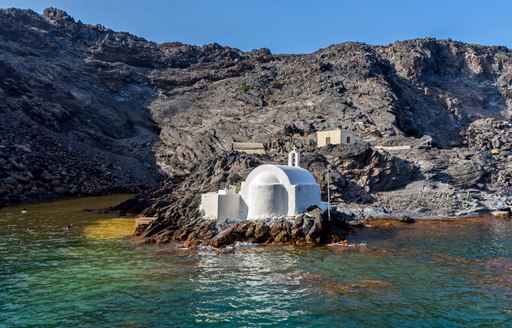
(347, 245)
(244, 244)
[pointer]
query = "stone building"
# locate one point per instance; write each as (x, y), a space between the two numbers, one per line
(335, 137)
(268, 191)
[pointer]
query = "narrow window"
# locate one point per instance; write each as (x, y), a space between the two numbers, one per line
(348, 140)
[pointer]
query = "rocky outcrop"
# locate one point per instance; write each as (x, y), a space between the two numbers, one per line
(313, 227)
(493, 140)
(86, 109)
(357, 172)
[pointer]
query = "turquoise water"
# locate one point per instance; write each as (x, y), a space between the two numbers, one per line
(419, 275)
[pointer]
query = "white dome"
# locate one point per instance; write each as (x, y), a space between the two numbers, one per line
(297, 175)
(266, 178)
(270, 174)
(275, 190)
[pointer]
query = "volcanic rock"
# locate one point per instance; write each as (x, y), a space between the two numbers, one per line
(88, 110)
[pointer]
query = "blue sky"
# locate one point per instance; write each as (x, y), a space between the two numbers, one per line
(293, 26)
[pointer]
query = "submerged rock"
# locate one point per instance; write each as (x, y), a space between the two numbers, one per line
(407, 219)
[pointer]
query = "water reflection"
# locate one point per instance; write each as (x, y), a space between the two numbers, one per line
(500, 231)
(256, 287)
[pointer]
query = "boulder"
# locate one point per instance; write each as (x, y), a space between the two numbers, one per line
(407, 219)
(314, 235)
(10, 180)
(261, 232)
(282, 237)
(225, 237)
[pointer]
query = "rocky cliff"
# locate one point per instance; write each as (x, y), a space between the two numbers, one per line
(88, 110)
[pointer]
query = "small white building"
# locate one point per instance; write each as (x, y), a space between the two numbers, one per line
(248, 147)
(223, 204)
(335, 137)
(268, 191)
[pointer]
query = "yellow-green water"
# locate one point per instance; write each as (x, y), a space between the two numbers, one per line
(96, 275)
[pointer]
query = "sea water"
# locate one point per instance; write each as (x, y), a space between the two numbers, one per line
(97, 275)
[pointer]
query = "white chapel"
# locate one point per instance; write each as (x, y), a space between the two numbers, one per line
(268, 191)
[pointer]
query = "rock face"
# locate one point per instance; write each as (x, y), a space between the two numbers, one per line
(70, 125)
(88, 110)
(493, 140)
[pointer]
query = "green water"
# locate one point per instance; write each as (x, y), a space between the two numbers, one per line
(96, 276)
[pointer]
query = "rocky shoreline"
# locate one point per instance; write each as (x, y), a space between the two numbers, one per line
(311, 228)
(315, 227)
(366, 183)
